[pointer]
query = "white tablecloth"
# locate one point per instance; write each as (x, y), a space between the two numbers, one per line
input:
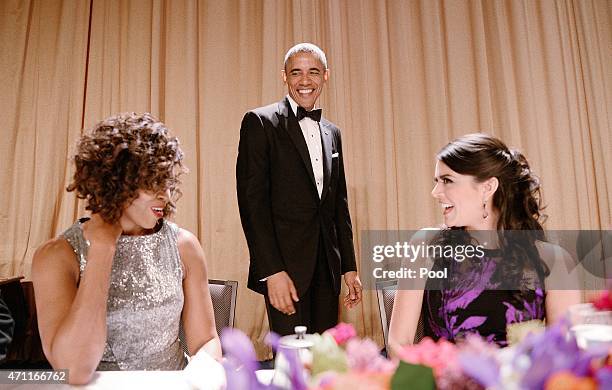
(117, 380)
(131, 380)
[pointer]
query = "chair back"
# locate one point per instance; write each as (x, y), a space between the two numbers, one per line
(385, 292)
(223, 294)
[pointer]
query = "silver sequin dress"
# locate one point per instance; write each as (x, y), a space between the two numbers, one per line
(145, 300)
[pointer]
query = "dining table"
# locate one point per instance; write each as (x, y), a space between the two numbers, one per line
(112, 380)
(130, 380)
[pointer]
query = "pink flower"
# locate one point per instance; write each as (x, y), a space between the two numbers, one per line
(342, 332)
(604, 301)
(439, 356)
(364, 356)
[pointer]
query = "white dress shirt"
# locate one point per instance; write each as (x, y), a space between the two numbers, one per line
(312, 136)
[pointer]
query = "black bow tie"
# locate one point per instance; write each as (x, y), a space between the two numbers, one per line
(315, 115)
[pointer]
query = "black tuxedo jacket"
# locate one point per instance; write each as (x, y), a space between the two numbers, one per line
(280, 209)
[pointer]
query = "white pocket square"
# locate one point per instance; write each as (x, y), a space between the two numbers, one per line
(335, 155)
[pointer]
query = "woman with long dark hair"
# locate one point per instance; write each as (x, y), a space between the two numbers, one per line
(489, 197)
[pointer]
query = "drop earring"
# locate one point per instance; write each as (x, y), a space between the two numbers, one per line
(485, 214)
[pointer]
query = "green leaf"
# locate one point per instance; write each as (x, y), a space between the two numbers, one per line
(413, 376)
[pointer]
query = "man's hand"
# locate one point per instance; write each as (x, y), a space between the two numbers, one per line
(354, 289)
(282, 292)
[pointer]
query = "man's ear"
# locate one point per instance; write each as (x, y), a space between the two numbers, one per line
(284, 76)
(489, 187)
(326, 74)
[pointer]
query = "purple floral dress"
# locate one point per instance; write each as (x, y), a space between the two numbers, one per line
(474, 300)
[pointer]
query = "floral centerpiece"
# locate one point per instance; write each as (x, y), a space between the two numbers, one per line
(540, 358)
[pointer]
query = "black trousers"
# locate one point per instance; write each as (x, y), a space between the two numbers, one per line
(317, 308)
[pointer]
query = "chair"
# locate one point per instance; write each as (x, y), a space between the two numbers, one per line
(385, 292)
(25, 351)
(223, 294)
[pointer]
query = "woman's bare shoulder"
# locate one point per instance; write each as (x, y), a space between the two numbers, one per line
(54, 247)
(55, 253)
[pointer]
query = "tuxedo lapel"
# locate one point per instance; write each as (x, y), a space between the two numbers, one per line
(290, 122)
(326, 143)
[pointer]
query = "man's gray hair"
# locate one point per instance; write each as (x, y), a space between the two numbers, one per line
(307, 48)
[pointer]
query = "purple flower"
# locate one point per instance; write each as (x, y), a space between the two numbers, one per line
(297, 375)
(478, 360)
(604, 377)
(549, 352)
(240, 361)
(552, 351)
(272, 339)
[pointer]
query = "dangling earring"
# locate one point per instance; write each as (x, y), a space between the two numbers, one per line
(485, 214)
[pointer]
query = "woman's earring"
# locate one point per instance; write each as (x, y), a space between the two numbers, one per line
(485, 214)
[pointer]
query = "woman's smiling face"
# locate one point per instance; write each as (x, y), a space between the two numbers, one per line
(144, 211)
(460, 197)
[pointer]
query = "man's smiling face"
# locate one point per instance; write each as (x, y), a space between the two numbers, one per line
(305, 76)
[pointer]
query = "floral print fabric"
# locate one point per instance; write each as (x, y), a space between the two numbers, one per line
(471, 301)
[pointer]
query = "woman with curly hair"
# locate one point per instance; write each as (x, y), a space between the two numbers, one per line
(490, 197)
(112, 290)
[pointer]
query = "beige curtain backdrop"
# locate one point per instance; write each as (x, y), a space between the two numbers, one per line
(406, 77)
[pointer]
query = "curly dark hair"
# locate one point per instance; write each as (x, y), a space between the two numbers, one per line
(121, 155)
(517, 198)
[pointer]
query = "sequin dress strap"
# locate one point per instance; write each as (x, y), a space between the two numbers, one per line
(173, 232)
(74, 236)
(174, 229)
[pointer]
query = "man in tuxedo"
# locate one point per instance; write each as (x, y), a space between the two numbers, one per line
(293, 202)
